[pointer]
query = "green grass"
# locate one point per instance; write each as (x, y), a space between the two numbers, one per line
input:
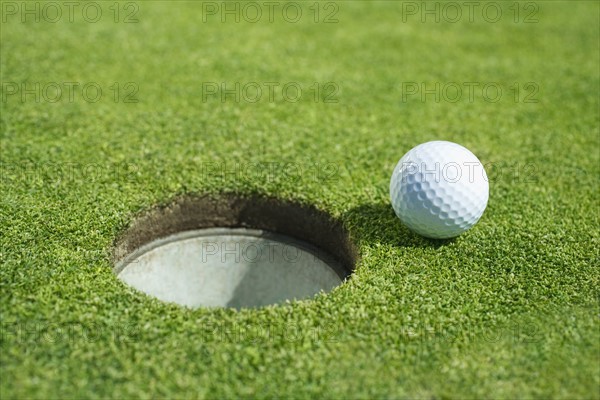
(509, 309)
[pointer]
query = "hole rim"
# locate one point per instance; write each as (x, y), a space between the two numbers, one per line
(300, 222)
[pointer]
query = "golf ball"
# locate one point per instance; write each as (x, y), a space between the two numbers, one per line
(439, 189)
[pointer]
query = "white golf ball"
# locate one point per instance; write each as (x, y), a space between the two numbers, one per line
(439, 189)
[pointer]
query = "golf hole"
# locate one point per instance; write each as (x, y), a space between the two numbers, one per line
(234, 251)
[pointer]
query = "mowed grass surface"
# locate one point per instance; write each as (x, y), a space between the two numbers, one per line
(509, 309)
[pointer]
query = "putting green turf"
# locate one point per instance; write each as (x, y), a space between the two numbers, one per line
(509, 309)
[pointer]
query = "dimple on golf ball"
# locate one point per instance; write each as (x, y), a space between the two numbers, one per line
(439, 189)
